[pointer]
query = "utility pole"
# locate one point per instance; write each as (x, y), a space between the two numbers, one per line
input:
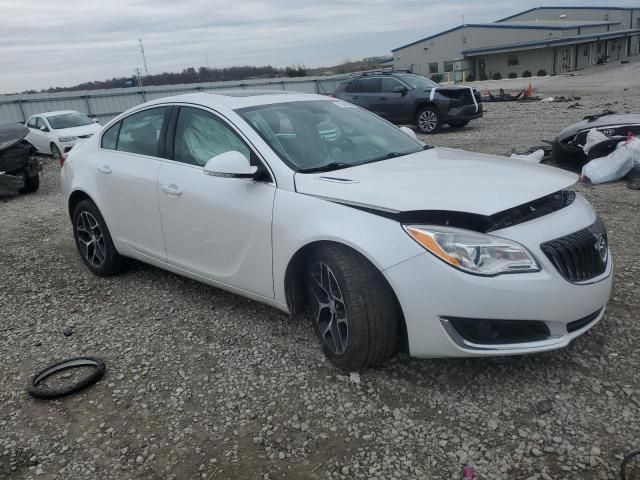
(138, 76)
(144, 59)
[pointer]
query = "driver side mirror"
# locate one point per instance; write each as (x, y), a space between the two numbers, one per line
(44, 128)
(400, 89)
(231, 164)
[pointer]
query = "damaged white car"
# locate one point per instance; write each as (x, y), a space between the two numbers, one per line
(311, 204)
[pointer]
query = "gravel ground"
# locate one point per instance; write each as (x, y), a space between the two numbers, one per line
(204, 384)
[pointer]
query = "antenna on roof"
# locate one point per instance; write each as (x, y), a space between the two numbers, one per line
(144, 59)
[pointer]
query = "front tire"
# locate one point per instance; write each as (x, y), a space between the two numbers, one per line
(353, 308)
(428, 120)
(94, 241)
(31, 183)
(55, 151)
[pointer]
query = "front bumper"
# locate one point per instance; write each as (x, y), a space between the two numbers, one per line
(431, 292)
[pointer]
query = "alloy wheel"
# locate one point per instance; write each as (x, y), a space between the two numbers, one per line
(329, 309)
(428, 121)
(90, 239)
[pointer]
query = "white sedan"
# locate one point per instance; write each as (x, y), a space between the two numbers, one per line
(56, 133)
(311, 204)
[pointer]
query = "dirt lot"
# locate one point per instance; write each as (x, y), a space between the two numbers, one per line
(205, 384)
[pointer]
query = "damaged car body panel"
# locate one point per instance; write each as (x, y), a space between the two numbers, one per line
(18, 168)
(567, 147)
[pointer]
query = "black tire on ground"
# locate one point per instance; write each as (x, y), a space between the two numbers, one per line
(36, 389)
(94, 241)
(31, 184)
(459, 124)
(367, 303)
(428, 120)
(55, 151)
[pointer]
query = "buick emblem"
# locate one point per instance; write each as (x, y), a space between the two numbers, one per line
(602, 247)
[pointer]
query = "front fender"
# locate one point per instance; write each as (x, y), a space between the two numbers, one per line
(299, 220)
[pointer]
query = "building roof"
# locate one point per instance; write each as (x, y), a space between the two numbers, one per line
(528, 25)
(545, 25)
(555, 41)
(584, 7)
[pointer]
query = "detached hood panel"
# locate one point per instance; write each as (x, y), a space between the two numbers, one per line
(439, 179)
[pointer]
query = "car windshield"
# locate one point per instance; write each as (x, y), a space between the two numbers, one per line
(418, 81)
(68, 120)
(321, 135)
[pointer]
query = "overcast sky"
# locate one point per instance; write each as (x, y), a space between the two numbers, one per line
(65, 42)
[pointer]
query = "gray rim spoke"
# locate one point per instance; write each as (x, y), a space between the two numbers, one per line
(330, 310)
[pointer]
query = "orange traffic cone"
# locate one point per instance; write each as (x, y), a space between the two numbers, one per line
(529, 91)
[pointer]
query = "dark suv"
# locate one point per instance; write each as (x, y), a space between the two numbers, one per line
(407, 98)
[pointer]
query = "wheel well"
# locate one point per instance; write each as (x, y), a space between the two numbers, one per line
(421, 105)
(75, 198)
(294, 285)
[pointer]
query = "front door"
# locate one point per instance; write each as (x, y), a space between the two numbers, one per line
(394, 106)
(216, 227)
(127, 176)
(37, 137)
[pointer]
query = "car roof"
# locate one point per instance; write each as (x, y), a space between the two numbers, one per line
(54, 113)
(236, 99)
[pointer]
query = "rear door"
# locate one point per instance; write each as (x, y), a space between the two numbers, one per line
(127, 179)
(216, 227)
(364, 92)
(37, 137)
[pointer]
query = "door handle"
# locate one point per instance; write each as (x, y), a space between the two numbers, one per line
(355, 98)
(382, 98)
(106, 169)
(171, 189)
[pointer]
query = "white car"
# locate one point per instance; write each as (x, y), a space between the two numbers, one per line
(56, 133)
(387, 242)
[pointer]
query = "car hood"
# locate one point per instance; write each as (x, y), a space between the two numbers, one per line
(79, 131)
(438, 179)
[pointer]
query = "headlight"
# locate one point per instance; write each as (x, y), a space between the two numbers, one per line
(67, 139)
(473, 252)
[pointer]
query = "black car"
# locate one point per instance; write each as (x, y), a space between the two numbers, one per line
(18, 167)
(407, 98)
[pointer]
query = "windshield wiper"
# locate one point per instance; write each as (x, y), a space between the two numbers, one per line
(326, 168)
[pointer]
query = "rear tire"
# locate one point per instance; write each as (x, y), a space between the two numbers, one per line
(353, 309)
(94, 241)
(428, 120)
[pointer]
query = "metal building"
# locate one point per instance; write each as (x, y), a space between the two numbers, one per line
(544, 39)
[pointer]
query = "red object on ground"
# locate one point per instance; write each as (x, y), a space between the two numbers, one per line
(468, 473)
(529, 91)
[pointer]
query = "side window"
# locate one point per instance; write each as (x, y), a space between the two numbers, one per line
(370, 85)
(32, 122)
(110, 137)
(201, 135)
(388, 84)
(140, 132)
(352, 87)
